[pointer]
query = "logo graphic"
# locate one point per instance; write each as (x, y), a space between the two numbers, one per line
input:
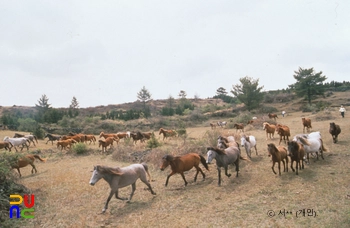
(27, 212)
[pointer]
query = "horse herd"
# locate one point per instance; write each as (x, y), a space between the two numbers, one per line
(226, 152)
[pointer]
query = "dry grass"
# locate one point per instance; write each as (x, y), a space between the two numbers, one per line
(65, 199)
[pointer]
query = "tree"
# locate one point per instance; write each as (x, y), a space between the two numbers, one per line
(182, 94)
(43, 102)
(309, 84)
(248, 92)
(73, 108)
(144, 95)
(221, 91)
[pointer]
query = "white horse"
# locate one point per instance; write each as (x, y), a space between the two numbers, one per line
(312, 135)
(248, 142)
(17, 142)
(312, 145)
(222, 124)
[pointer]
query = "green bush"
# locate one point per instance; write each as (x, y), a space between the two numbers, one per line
(80, 148)
(153, 142)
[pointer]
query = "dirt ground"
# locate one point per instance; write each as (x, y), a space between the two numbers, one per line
(257, 198)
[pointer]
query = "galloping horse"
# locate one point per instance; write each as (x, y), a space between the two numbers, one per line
(224, 157)
(296, 153)
(180, 164)
(312, 145)
(279, 154)
(90, 138)
(334, 130)
(17, 142)
(121, 177)
(239, 126)
(167, 133)
(102, 134)
(248, 142)
(32, 138)
(6, 145)
(27, 160)
(52, 137)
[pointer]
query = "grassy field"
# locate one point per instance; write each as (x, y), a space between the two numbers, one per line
(64, 198)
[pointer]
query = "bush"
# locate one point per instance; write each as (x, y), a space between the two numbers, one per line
(153, 142)
(80, 148)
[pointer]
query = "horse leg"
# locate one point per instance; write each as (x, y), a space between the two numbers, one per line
(237, 166)
(296, 167)
(219, 176)
(291, 165)
(226, 171)
(108, 199)
(144, 180)
(273, 167)
(33, 168)
(19, 172)
(117, 196)
(279, 167)
(183, 177)
(133, 188)
(167, 179)
(198, 170)
(256, 150)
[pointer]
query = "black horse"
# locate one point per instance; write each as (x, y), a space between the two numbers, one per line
(52, 137)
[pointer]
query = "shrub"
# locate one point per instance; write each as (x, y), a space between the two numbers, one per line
(153, 142)
(80, 148)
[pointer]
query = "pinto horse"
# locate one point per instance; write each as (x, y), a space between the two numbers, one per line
(167, 133)
(334, 130)
(27, 160)
(121, 177)
(180, 164)
(296, 153)
(32, 138)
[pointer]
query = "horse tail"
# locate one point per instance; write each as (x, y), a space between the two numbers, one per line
(204, 162)
(38, 157)
(145, 166)
(322, 146)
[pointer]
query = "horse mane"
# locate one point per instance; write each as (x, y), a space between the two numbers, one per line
(109, 170)
(217, 150)
(303, 140)
(168, 157)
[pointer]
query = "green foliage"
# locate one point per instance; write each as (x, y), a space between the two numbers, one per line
(80, 148)
(248, 92)
(309, 84)
(153, 142)
(39, 132)
(268, 109)
(27, 124)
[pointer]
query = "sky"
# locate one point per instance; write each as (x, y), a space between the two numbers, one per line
(104, 52)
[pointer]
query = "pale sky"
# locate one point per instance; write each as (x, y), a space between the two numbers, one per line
(104, 52)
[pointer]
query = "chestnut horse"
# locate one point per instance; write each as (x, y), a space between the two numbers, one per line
(27, 160)
(296, 153)
(272, 116)
(167, 133)
(180, 164)
(6, 145)
(279, 154)
(239, 126)
(306, 124)
(270, 130)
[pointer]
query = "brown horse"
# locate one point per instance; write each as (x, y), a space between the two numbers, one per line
(6, 145)
(272, 116)
(334, 130)
(239, 126)
(270, 130)
(107, 142)
(279, 154)
(167, 133)
(213, 125)
(90, 138)
(284, 132)
(27, 160)
(306, 124)
(296, 153)
(180, 164)
(102, 134)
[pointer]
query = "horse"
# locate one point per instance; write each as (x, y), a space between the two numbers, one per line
(221, 124)
(123, 135)
(65, 143)
(312, 145)
(90, 138)
(334, 130)
(306, 124)
(315, 135)
(284, 132)
(102, 134)
(147, 135)
(52, 137)
(213, 125)
(26, 160)
(121, 177)
(239, 126)
(296, 153)
(32, 138)
(107, 142)
(6, 145)
(270, 130)
(75, 137)
(272, 116)
(137, 136)
(167, 133)
(224, 157)
(279, 154)
(17, 142)
(225, 142)
(248, 142)
(180, 164)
